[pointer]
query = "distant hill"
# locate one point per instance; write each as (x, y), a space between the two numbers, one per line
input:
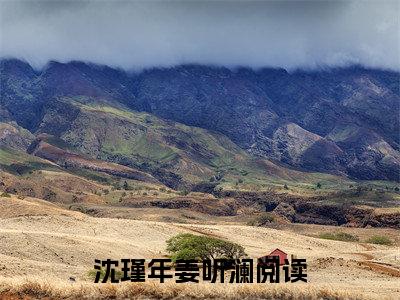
(191, 122)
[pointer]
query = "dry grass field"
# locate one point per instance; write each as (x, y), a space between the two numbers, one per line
(55, 289)
(43, 245)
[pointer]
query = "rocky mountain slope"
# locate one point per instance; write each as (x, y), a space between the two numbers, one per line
(341, 121)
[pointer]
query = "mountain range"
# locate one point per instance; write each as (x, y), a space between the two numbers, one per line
(188, 123)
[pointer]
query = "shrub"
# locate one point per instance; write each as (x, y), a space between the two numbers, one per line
(219, 176)
(217, 192)
(339, 236)
(92, 274)
(380, 240)
(184, 192)
(49, 195)
(190, 246)
(125, 186)
(261, 220)
(5, 194)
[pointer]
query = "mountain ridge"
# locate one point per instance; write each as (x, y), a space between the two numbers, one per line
(340, 121)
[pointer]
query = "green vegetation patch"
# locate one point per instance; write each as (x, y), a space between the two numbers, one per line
(93, 175)
(149, 147)
(339, 236)
(190, 246)
(20, 163)
(380, 240)
(92, 274)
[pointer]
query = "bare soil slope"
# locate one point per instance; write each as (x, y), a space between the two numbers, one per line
(38, 238)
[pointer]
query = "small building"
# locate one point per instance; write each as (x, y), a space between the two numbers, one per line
(277, 252)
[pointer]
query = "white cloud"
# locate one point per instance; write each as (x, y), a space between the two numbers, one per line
(133, 34)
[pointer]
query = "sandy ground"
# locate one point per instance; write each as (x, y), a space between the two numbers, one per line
(38, 238)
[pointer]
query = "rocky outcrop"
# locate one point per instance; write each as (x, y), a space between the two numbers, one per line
(304, 118)
(317, 210)
(286, 211)
(200, 203)
(14, 136)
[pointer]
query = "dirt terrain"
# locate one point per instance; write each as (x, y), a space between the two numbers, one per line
(39, 238)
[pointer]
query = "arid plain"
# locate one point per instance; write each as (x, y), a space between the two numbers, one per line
(42, 242)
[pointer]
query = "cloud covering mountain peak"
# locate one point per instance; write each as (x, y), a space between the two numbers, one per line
(134, 34)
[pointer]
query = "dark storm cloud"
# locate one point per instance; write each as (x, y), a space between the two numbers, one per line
(134, 34)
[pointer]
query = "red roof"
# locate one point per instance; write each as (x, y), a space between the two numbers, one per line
(278, 250)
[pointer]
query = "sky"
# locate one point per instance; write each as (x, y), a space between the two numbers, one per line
(134, 34)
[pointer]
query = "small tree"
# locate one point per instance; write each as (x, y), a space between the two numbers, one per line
(190, 246)
(184, 192)
(5, 194)
(126, 186)
(319, 185)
